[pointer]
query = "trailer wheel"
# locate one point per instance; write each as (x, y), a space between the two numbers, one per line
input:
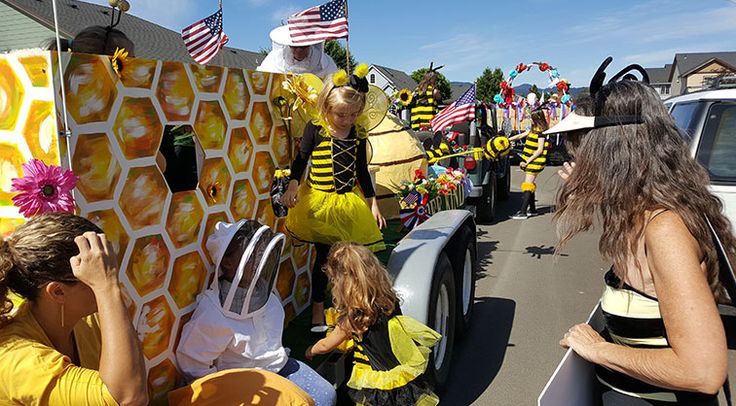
(465, 281)
(442, 319)
(486, 208)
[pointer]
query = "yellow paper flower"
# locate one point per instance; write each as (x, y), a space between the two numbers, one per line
(361, 70)
(340, 78)
(118, 58)
(301, 95)
(405, 96)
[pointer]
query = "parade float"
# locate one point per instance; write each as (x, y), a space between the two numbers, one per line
(109, 127)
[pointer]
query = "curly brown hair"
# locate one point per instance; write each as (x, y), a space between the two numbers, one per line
(361, 288)
(37, 253)
(625, 171)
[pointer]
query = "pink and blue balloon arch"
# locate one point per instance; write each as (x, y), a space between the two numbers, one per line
(505, 96)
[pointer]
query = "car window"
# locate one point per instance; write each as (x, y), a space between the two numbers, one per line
(717, 147)
(686, 116)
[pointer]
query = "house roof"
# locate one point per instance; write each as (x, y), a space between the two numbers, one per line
(687, 63)
(151, 40)
(659, 75)
(458, 88)
(400, 79)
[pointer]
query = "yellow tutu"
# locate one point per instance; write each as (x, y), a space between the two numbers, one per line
(328, 218)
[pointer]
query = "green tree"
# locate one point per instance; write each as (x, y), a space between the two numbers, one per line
(442, 83)
(337, 53)
(534, 89)
(488, 84)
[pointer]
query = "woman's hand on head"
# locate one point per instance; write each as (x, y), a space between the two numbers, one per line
(584, 340)
(96, 265)
(291, 197)
(566, 171)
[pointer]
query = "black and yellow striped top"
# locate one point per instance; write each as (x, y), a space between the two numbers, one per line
(424, 107)
(633, 320)
(530, 146)
(336, 164)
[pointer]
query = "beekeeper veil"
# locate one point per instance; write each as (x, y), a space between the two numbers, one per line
(281, 58)
(247, 256)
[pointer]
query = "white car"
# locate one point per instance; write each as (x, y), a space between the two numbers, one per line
(708, 121)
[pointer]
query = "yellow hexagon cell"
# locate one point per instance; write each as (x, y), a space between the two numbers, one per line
(37, 68)
(143, 197)
(260, 122)
(280, 144)
(96, 166)
(174, 92)
(162, 379)
(276, 88)
(281, 227)
(207, 78)
(89, 87)
(244, 200)
(40, 132)
(259, 81)
(185, 217)
(155, 325)
(236, 95)
(138, 128)
(303, 289)
(285, 281)
(214, 181)
(263, 170)
(209, 229)
(138, 73)
(110, 224)
(148, 264)
(300, 255)
(8, 225)
(264, 214)
(240, 150)
(11, 161)
(210, 125)
(187, 279)
(11, 96)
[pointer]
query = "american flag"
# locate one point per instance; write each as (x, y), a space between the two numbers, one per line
(319, 23)
(204, 38)
(412, 197)
(460, 110)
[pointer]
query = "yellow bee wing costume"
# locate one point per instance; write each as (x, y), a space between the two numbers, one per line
(390, 361)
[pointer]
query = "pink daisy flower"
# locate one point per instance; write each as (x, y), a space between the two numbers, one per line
(43, 189)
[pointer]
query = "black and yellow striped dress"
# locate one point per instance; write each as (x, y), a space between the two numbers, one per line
(633, 320)
(424, 108)
(332, 205)
(530, 146)
(390, 361)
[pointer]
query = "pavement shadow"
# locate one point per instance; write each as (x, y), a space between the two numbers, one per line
(541, 250)
(477, 359)
(485, 257)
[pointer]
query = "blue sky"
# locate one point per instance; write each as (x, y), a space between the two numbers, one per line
(467, 36)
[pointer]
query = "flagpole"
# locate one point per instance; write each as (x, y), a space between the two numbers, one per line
(347, 43)
(222, 56)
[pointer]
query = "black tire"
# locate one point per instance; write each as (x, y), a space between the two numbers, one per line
(442, 300)
(486, 207)
(503, 185)
(465, 273)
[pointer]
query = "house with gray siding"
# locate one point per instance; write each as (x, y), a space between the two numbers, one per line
(390, 80)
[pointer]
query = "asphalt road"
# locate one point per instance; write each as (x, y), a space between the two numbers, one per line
(526, 298)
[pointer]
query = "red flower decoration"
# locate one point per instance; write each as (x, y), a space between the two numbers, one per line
(521, 67)
(418, 174)
(43, 189)
(509, 100)
(562, 86)
(544, 66)
(504, 85)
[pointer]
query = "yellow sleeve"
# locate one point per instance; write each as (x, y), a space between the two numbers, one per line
(79, 386)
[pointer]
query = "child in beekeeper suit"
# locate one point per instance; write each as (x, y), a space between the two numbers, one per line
(239, 321)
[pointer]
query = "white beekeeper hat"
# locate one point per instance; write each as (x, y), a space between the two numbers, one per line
(280, 35)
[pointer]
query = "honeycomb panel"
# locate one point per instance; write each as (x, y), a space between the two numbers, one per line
(285, 281)
(138, 73)
(300, 254)
(40, 131)
(156, 326)
(37, 69)
(148, 264)
(209, 229)
(264, 214)
(240, 150)
(303, 289)
(90, 88)
(137, 128)
(207, 78)
(174, 92)
(289, 313)
(11, 96)
(185, 217)
(236, 94)
(263, 171)
(244, 200)
(96, 166)
(115, 232)
(144, 196)
(162, 379)
(261, 123)
(210, 125)
(259, 81)
(280, 145)
(214, 181)
(11, 161)
(187, 279)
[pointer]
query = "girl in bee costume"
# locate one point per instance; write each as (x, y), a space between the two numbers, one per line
(533, 161)
(337, 201)
(424, 102)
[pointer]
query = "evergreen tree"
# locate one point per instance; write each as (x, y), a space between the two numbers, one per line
(443, 85)
(337, 52)
(488, 84)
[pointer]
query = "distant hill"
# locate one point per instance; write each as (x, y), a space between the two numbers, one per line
(523, 89)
